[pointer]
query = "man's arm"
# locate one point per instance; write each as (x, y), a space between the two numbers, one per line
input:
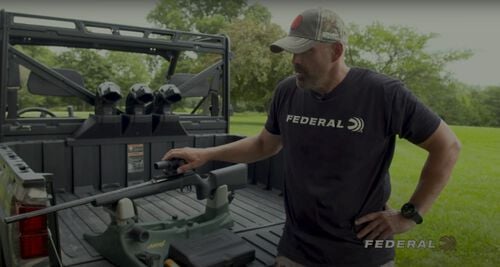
(246, 150)
(443, 147)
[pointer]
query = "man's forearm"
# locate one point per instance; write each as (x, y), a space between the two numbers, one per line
(429, 187)
(246, 150)
(435, 175)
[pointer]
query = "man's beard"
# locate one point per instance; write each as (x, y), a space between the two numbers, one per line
(303, 79)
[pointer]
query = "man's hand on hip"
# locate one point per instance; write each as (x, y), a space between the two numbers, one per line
(383, 224)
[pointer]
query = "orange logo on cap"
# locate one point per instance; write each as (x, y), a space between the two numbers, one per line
(296, 22)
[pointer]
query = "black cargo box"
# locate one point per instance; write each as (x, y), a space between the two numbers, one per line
(221, 248)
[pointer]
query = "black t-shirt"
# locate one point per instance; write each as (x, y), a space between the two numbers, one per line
(337, 151)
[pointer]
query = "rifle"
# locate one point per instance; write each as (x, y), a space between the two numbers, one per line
(234, 176)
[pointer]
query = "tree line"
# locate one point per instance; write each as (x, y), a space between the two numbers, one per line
(397, 51)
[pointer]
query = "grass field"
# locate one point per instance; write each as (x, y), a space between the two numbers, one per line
(468, 209)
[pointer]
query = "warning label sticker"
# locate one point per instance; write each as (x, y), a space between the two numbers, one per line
(135, 158)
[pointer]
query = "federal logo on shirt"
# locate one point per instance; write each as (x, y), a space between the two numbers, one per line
(354, 124)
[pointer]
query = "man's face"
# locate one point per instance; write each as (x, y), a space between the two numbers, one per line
(312, 66)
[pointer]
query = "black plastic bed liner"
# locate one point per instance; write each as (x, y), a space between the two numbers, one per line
(258, 214)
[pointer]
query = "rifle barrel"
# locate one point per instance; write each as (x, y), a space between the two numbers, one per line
(70, 204)
(234, 176)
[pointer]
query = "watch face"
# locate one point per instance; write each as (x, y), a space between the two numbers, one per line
(408, 210)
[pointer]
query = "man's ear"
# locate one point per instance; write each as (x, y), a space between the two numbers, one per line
(337, 50)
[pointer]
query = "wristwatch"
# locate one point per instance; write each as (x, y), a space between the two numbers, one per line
(410, 211)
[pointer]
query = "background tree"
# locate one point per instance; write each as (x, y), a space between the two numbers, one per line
(490, 101)
(400, 52)
(94, 67)
(190, 15)
(128, 69)
(255, 70)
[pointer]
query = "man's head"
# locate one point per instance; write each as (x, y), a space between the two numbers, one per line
(317, 39)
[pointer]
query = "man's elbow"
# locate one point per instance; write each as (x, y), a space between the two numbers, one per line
(455, 147)
(270, 149)
(450, 152)
(268, 144)
(276, 150)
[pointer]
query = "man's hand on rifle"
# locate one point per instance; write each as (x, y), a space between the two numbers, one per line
(195, 157)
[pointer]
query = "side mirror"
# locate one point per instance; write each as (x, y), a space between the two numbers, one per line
(39, 86)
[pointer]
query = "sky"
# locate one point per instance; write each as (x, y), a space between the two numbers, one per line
(471, 25)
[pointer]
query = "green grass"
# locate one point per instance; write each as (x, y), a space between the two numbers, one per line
(247, 123)
(61, 114)
(468, 209)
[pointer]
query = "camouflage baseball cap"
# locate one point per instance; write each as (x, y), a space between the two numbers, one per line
(312, 26)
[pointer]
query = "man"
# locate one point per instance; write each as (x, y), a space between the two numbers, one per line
(337, 127)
